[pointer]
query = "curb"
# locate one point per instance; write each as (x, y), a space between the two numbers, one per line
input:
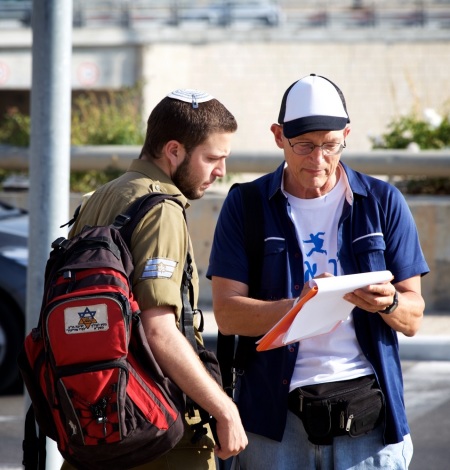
(422, 348)
(425, 348)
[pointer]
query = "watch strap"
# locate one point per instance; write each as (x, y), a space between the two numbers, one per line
(391, 307)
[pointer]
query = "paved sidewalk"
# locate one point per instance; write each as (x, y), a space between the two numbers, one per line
(435, 323)
(431, 343)
(427, 386)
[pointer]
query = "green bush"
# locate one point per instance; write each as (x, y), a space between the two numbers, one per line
(429, 132)
(15, 128)
(112, 118)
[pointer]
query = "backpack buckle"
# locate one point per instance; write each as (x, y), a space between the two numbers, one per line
(60, 242)
(121, 220)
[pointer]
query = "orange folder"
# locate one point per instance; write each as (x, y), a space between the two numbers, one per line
(274, 338)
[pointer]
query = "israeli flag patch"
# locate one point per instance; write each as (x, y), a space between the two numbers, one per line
(159, 268)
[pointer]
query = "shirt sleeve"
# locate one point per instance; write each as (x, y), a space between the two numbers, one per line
(159, 247)
(228, 258)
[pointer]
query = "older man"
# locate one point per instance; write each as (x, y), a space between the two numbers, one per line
(333, 401)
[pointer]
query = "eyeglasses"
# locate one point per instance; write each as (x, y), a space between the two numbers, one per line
(328, 149)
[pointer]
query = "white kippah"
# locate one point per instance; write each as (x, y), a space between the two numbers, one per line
(190, 96)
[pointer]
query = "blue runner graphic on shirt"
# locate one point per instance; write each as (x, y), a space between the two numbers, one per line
(310, 267)
(317, 242)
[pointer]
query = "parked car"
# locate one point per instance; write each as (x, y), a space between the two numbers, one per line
(16, 10)
(13, 274)
(225, 12)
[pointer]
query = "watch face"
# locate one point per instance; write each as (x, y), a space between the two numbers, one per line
(391, 307)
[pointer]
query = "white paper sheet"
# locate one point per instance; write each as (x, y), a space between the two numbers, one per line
(327, 308)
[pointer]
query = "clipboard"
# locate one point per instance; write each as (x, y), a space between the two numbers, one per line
(320, 311)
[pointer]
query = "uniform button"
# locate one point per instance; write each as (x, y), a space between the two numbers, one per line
(157, 187)
(297, 255)
(291, 349)
(296, 287)
(285, 382)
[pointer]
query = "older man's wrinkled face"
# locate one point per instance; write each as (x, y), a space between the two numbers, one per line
(312, 161)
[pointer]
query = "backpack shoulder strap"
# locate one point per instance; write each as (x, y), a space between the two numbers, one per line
(128, 221)
(34, 443)
(254, 242)
(187, 312)
(253, 218)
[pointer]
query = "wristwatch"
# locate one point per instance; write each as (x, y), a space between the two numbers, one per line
(391, 307)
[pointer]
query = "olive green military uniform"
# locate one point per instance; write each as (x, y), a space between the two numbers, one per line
(159, 246)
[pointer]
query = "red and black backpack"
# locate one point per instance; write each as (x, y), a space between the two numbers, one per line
(95, 386)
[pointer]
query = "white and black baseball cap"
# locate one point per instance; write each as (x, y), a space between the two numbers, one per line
(310, 104)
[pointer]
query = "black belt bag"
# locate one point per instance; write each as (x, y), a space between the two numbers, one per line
(351, 407)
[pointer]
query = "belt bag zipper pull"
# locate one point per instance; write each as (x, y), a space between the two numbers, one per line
(349, 423)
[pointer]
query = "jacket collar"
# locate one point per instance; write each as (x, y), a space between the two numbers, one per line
(353, 177)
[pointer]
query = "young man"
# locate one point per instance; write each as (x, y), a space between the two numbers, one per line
(187, 142)
(321, 218)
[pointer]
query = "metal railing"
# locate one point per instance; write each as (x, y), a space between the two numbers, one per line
(223, 13)
(375, 162)
(353, 14)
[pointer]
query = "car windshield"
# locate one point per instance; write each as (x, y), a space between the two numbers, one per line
(13, 227)
(7, 211)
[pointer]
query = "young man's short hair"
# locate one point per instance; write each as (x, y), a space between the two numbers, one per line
(173, 119)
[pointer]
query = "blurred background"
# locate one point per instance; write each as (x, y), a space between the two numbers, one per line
(388, 57)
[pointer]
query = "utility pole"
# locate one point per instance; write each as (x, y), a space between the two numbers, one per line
(49, 150)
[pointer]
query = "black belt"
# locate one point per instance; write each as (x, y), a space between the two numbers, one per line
(350, 407)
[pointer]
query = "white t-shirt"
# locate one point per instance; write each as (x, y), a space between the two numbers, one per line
(334, 356)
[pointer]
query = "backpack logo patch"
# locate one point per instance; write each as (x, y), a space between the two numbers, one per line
(91, 319)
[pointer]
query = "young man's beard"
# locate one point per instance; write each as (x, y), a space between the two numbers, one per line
(185, 180)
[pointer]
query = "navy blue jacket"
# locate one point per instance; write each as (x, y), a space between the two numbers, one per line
(376, 232)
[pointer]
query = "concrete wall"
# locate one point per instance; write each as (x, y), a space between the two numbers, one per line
(380, 80)
(382, 72)
(432, 216)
